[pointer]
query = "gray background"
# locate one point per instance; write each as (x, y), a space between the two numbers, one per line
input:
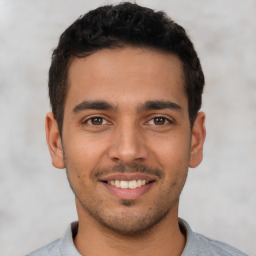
(36, 203)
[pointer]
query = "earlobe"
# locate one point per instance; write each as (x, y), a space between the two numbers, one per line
(54, 141)
(197, 140)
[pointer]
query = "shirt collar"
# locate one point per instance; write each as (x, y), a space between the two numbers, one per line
(68, 248)
(191, 247)
(67, 245)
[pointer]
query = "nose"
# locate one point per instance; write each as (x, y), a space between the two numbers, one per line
(128, 145)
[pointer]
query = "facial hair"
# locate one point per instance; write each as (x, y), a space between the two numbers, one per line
(127, 222)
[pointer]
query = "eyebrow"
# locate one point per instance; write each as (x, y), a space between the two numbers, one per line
(97, 105)
(158, 105)
(148, 105)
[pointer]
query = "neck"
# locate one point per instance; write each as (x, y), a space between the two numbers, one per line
(163, 239)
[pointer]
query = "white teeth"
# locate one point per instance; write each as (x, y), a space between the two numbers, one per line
(116, 183)
(124, 184)
(127, 184)
(133, 184)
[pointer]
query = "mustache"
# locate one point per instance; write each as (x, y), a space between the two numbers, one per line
(132, 168)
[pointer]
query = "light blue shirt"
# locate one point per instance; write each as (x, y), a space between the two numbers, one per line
(196, 245)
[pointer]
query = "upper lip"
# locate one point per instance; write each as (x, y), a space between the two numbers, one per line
(127, 177)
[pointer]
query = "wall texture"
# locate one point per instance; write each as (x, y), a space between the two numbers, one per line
(36, 203)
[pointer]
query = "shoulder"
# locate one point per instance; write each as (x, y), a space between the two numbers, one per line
(214, 247)
(60, 247)
(52, 249)
(198, 244)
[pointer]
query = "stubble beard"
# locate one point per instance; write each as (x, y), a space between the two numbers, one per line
(127, 223)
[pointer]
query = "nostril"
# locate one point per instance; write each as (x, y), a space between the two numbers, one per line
(127, 149)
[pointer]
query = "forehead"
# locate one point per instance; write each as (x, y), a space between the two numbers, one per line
(126, 75)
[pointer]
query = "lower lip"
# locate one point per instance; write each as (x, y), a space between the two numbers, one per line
(126, 193)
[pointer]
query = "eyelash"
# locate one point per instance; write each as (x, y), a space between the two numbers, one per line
(104, 121)
(95, 117)
(165, 119)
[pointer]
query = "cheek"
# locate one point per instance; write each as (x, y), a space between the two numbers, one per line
(83, 155)
(172, 151)
(81, 150)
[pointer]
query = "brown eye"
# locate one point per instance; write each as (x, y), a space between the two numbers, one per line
(159, 120)
(96, 120)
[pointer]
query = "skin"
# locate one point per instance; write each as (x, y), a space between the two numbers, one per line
(129, 134)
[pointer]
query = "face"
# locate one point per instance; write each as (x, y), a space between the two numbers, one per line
(127, 141)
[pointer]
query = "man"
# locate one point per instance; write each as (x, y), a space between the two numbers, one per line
(125, 86)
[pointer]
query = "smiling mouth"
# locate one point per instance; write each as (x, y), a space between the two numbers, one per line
(131, 184)
(129, 187)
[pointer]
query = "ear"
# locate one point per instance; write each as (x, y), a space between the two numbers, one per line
(197, 140)
(54, 141)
